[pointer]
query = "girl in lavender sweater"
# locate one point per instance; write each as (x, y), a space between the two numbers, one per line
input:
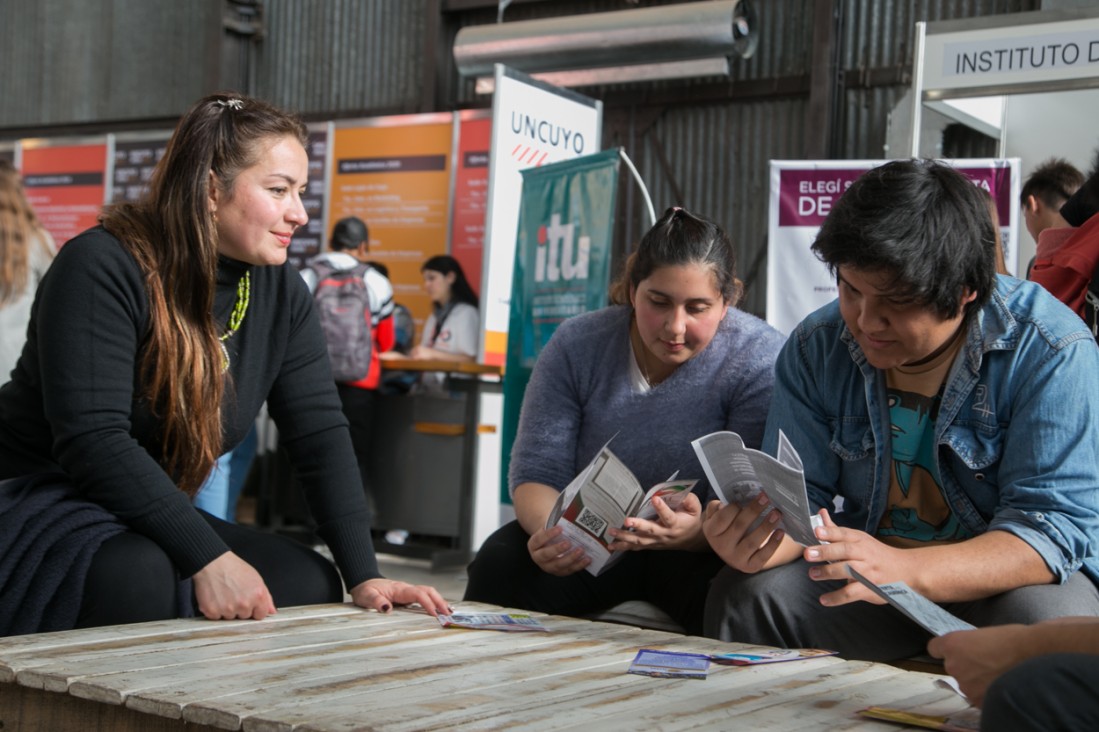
(672, 361)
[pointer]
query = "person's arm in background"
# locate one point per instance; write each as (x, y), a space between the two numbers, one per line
(976, 658)
(464, 327)
(425, 353)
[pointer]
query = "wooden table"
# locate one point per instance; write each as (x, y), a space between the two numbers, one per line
(336, 667)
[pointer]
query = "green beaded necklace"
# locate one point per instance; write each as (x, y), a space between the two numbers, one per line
(240, 308)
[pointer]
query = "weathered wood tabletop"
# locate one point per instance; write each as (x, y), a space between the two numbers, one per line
(336, 667)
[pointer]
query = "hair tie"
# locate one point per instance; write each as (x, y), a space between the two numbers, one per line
(235, 104)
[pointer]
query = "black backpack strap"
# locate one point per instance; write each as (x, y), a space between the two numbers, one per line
(1091, 304)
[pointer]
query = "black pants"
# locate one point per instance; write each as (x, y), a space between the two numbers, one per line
(677, 582)
(132, 580)
(358, 407)
(1051, 693)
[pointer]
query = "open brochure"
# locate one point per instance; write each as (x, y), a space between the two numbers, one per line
(601, 498)
(738, 474)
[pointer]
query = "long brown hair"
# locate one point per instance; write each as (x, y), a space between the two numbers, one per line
(19, 231)
(173, 236)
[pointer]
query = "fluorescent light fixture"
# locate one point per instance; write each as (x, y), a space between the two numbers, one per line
(623, 74)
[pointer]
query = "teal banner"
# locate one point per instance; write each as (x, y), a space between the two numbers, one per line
(562, 266)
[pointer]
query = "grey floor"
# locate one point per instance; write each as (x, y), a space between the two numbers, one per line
(450, 582)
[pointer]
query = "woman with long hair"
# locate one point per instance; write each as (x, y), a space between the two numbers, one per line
(155, 339)
(450, 333)
(26, 249)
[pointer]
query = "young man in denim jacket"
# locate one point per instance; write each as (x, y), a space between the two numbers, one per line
(948, 422)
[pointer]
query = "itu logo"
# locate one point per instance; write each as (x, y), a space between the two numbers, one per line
(560, 254)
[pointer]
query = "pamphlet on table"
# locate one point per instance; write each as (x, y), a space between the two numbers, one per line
(510, 622)
(670, 664)
(768, 655)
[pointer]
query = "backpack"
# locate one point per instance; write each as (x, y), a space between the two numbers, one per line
(1091, 304)
(343, 306)
(403, 326)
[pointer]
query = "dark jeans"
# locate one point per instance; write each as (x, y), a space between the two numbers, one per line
(132, 580)
(504, 574)
(1054, 693)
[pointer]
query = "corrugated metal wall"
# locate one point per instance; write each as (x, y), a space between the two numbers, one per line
(343, 57)
(64, 62)
(703, 144)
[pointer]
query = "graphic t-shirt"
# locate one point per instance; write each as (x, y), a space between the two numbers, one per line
(917, 512)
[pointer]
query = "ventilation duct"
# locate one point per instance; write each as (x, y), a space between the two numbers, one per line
(670, 41)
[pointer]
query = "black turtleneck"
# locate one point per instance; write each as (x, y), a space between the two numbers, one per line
(73, 404)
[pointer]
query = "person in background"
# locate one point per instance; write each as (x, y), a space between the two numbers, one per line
(1068, 266)
(451, 331)
(154, 341)
(26, 249)
(1001, 258)
(671, 361)
(931, 397)
(350, 244)
(1028, 678)
(1045, 190)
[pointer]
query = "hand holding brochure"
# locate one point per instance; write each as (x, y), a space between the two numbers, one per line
(739, 473)
(917, 607)
(601, 498)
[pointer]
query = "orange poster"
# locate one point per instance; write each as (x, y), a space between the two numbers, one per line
(394, 174)
(66, 185)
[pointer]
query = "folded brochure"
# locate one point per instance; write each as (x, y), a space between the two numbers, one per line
(490, 621)
(670, 664)
(769, 655)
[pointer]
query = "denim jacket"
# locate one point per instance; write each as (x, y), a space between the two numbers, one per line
(1017, 433)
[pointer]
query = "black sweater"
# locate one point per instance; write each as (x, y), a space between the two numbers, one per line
(73, 403)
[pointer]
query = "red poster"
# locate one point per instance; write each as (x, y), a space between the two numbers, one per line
(467, 235)
(66, 185)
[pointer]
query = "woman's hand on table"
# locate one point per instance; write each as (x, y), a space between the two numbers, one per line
(229, 588)
(672, 529)
(382, 594)
(554, 554)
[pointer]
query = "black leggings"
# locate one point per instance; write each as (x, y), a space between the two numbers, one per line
(132, 580)
(503, 573)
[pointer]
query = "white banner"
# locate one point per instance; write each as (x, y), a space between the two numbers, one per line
(994, 57)
(533, 124)
(803, 193)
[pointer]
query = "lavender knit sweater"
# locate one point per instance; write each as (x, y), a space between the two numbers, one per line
(579, 397)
